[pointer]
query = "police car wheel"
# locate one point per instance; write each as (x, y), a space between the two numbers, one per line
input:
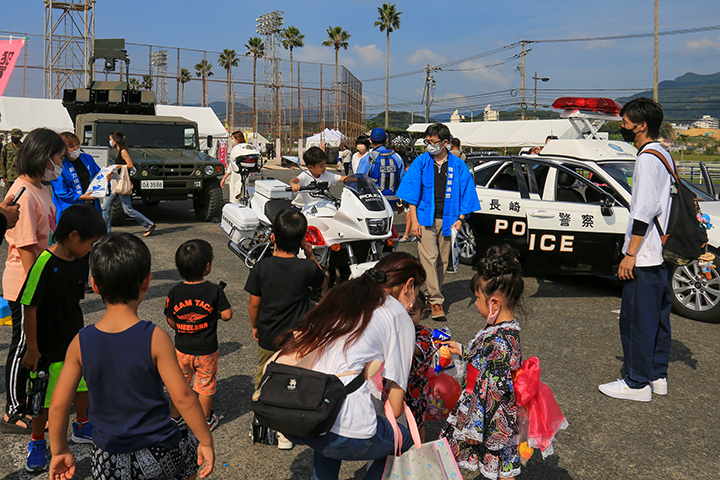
(694, 295)
(467, 244)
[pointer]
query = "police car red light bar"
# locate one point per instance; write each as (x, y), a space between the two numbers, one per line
(598, 105)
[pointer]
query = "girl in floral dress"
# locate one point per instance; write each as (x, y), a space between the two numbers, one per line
(482, 430)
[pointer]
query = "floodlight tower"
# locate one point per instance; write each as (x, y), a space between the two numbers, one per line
(159, 62)
(69, 34)
(269, 26)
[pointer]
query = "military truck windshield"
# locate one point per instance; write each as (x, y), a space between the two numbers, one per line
(150, 135)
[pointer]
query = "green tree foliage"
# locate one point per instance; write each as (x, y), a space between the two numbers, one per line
(203, 69)
(337, 38)
(388, 21)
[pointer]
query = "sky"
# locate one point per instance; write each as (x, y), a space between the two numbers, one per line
(431, 32)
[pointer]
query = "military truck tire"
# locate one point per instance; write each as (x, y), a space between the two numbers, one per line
(149, 203)
(117, 214)
(208, 202)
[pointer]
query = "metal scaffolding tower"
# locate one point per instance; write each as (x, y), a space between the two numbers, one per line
(269, 26)
(69, 34)
(159, 62)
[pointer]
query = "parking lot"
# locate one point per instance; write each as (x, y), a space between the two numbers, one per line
(570, 323)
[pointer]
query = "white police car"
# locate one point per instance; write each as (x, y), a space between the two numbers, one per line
(566, 211)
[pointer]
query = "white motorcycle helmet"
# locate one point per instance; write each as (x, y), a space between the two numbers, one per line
(245, 156)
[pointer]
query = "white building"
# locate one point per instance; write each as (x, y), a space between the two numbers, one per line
(706, 122)
(456, 117)
(490, 115)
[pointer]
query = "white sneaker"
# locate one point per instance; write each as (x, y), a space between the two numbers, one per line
(619, 389)
(659, 386)
(284, 443)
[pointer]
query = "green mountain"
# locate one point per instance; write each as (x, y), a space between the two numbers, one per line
(687, 98)
(399, 120)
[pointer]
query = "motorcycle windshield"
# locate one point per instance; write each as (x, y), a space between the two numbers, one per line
(366, 191)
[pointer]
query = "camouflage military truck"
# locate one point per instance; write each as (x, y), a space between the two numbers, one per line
(168, 163)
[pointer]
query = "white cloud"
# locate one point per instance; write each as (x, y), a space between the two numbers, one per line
(425, 56)
(369, 54)
(704, 44)
(317, 54)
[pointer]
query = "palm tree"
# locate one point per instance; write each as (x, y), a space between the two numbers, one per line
(337, 38)
(292, 38)
(183, 78)
(147, 82)
(227, 60)
(388, 21)
(203, 69)
(256, 48)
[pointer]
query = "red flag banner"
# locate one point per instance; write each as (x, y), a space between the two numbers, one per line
(9, 53)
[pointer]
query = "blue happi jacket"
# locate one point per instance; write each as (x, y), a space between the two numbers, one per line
(66, 188)
(418, 188)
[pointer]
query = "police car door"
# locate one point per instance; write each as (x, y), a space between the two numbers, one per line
(501, 218)
(575, 228)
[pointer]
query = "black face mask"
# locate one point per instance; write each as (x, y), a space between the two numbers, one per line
(628, 135)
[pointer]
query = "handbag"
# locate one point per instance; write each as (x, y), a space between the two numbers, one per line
(424, 461)
(123, 185)
(295, 400)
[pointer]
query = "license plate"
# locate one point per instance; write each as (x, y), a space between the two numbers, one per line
(151, 184)
(387, 168)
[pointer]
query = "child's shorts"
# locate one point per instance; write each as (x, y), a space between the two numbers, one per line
(200, 371)
(53, 374)
(151, 463)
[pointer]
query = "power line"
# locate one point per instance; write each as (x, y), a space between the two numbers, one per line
(633, 35)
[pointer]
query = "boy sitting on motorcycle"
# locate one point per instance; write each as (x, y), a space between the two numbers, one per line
(316, 163)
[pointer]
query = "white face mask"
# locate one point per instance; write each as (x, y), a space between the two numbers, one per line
(75, 154)
(54, 174)
(434, 150)
(112, 144)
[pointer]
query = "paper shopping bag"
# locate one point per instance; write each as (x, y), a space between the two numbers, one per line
(424, 461)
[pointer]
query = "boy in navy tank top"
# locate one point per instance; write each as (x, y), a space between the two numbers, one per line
(125, 362)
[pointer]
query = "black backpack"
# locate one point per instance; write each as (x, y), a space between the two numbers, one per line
(686, 238)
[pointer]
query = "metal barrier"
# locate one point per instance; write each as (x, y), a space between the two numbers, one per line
(691, 171)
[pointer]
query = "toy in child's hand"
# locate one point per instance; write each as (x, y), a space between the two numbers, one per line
(525, 452)
(705, 262)
(704, 220)
(443, 393)
(445, 357)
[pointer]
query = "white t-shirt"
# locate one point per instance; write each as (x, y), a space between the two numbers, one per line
(650, 199)
(356, 160)
(306, 178)
(389, 337)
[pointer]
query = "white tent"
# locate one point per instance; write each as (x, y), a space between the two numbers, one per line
(330, 137)
(30, 113)
(208, 122)
(516, 133)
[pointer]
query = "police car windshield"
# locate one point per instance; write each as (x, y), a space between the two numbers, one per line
(623, 173)
(366, 191)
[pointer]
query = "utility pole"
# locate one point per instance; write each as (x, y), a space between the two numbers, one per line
(471, 114)
(655, 79)
(429, 84)
(523, 104)
(536, 78)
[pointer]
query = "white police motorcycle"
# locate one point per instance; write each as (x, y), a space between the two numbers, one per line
(348, 234)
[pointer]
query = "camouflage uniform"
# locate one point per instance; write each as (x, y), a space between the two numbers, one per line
(8, 160)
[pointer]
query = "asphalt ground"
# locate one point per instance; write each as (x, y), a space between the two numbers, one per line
(570, 323)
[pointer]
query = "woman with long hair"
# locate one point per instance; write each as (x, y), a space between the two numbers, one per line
(39, 159)
(117, 140)
(359, 321)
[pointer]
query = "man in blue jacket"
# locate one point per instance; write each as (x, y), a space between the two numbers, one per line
(441, 193)
(382, 164)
